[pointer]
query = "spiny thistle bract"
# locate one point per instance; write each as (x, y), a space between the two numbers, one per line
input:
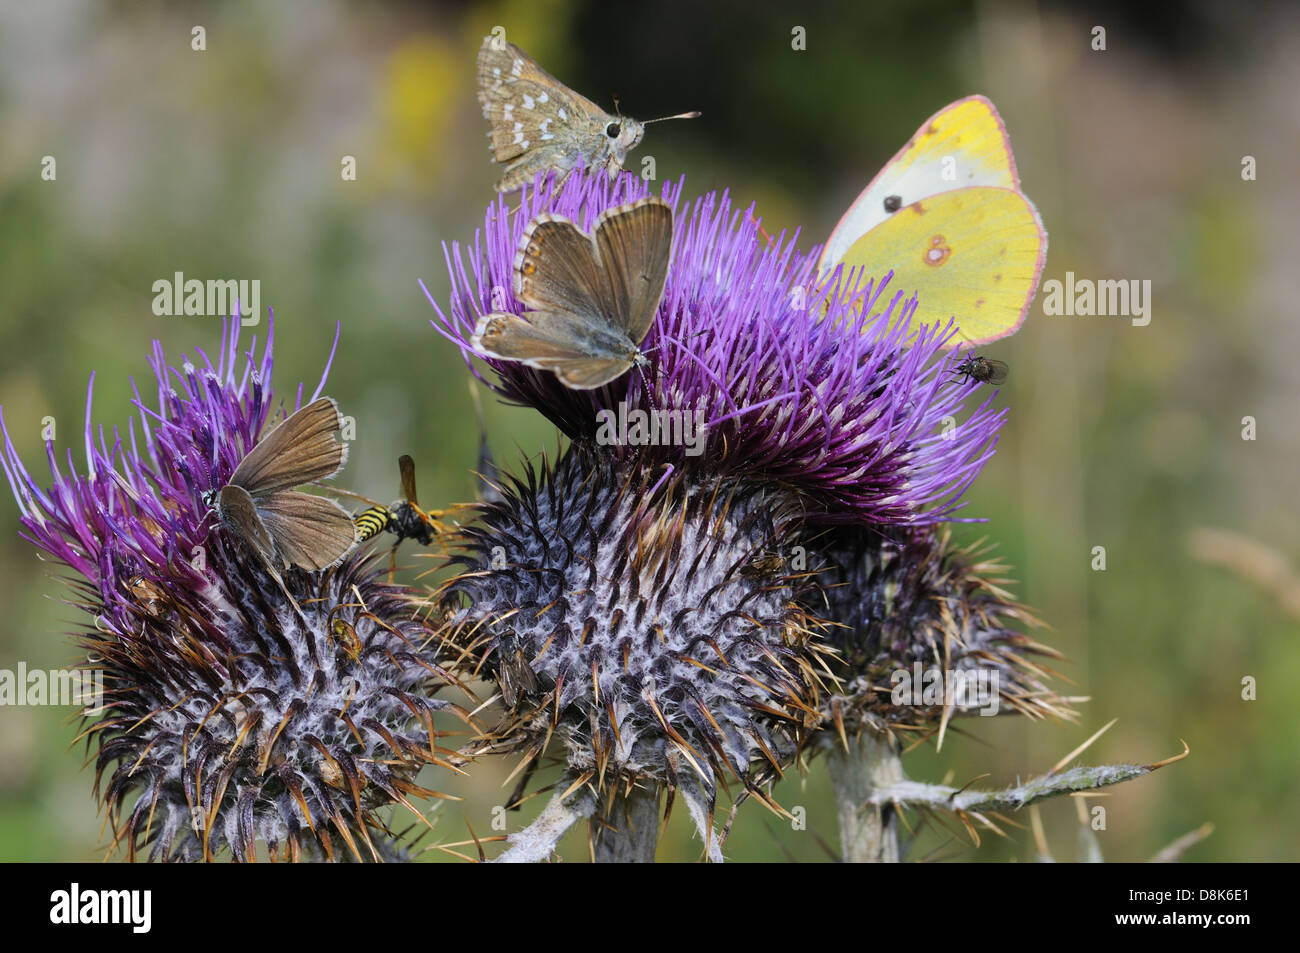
(799, 380)
(232, 716)
(628, 619)
(907, 607)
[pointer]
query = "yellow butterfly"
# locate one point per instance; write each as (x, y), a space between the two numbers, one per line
(946, 215)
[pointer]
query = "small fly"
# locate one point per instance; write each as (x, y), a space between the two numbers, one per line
(985, 370)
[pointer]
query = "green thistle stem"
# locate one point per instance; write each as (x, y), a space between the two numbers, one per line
(942, 797)
(628, 830)
(868, 832)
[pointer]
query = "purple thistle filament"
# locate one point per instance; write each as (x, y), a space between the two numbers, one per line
(132, 508)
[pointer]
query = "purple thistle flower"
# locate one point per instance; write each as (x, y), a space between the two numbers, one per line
(232, 715)
(799, 379)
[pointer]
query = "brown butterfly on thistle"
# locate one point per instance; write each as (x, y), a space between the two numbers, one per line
(259, 505)
(538, 123)
(590, 298)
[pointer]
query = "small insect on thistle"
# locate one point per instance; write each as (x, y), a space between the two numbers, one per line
(151, 599)
(345, 636)
(764, 564)
(515, 676)
(539, 123)
(403, 518)
(985, 370)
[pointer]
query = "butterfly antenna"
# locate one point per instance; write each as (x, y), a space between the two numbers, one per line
(617, 112)
(693, 114)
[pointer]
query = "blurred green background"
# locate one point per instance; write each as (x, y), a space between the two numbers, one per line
(227, 163)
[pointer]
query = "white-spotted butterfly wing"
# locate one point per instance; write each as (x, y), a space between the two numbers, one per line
(590, 299)
(539, 123)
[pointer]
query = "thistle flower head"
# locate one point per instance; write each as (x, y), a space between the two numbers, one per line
(924, 631)
(634, 619)
(237, 710)
(638, 601)
(815, 382)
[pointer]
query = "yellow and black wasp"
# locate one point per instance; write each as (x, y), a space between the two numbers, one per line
(403, 518)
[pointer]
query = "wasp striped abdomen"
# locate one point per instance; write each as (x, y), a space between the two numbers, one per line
(372, 522)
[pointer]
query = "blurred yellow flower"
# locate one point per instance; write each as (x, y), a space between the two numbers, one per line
(426, 80)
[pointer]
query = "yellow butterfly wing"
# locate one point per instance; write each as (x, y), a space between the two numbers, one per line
(964, 144)
(975, 255)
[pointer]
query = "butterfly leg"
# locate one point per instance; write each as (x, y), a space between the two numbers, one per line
(560, 180)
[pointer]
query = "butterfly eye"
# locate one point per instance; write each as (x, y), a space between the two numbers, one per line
(612, 130)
